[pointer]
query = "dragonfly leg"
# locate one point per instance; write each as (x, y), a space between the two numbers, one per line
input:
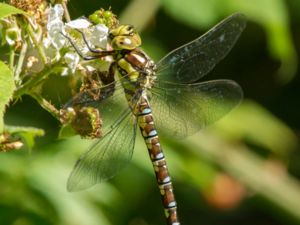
(77, 49)
(91, 49)
(94, 50)
(99, 53)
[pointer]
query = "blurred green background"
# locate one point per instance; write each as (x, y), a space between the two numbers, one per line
(244, 169)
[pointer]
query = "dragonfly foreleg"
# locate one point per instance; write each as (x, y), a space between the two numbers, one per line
(94, 50)
(77, 49)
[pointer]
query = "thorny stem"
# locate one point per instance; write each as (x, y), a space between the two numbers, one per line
(11, 58)
(45, 104)
(37, 44)
(20, 61)
(24, 89)
(66, 12)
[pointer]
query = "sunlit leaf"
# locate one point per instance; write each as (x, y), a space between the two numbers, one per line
(7, 10)
(7, 87)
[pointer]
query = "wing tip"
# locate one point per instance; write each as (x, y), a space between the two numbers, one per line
(239, 17)
(75, 187)
(71, 187)
(238, 91)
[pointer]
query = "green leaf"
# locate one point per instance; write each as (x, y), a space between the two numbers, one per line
(66, 131)
(7, 10)
(26, 133)
(7, 87)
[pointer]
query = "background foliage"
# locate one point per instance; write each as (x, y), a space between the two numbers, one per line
(244, 169)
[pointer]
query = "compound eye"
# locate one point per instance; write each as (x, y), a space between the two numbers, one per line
(123, 43)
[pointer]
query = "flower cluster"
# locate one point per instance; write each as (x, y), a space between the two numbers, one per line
(42, 41)
(96, 35)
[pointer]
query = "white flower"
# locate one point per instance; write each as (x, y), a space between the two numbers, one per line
(55, 26)
(56, 12)
(72, 59)
(99, 36)
(95, 35)
(80, 23)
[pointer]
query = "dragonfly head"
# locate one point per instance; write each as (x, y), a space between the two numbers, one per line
(124, 37)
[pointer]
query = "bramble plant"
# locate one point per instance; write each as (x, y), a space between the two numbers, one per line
(36, 34)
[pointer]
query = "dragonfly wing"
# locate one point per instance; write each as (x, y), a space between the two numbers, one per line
(183, 109)
(109, 100)
(112, 152)
(107, 156)
(192, 61)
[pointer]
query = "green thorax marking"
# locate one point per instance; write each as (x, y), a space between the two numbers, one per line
(135, 70)
(133, 67)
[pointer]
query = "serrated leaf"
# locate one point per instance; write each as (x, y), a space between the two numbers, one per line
(7, 10)
(7, 87)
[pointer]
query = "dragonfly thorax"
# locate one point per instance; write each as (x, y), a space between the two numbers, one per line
(132, 62)
(137, 68)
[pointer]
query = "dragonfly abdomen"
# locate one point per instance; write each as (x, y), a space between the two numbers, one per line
(150, 135)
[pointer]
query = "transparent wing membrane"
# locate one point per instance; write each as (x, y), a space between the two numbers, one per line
(112, 152)
(183, 109)
(192, 61)
(111, 103)
(106, 157)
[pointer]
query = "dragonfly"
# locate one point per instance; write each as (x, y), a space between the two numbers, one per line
(155, 96)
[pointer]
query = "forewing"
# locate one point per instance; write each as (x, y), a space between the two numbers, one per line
(182, 110)
(192, 61)
(107, 156)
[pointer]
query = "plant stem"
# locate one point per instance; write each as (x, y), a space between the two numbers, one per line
(66, 12)
(37, 44)
(24, 89)
(45, 104)
(11, 58)
(20, 61)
